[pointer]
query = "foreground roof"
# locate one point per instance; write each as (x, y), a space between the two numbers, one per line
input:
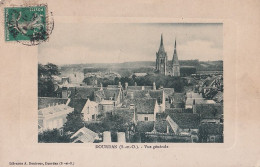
(186, 120)
(44, 102)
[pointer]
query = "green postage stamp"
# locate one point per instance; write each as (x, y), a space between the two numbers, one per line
(28, 25)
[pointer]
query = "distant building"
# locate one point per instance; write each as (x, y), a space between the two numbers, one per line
(163, 66)
(139, 74)
(53, 117)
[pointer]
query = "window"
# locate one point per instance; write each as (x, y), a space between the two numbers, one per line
(146, 118)
(88, 110)
(93, 117)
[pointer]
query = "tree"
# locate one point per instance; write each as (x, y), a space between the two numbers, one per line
(74, 122)
(53, 136)
(45, 81)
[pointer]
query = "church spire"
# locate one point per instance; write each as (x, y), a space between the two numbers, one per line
(161, 40)
(175, 60)
(161, 49)
(175, 52)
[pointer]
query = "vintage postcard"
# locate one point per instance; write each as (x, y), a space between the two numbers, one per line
(125, 83)
(132, 83)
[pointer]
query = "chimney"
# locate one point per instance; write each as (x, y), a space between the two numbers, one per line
(126, 85)
(135, 84)
(194, 107)
(101, 86)
(154, 86)
(119, 84)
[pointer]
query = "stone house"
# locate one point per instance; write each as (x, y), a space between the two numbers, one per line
(53, 117)
(90, 111)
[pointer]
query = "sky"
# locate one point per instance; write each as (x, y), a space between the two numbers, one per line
(81, 43)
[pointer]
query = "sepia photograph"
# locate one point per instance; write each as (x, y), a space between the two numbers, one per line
(131, 83)
(135, 83)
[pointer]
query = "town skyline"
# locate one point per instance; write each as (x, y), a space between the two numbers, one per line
(113, 43)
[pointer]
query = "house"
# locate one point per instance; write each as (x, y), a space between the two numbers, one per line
(210, 113)
(53, 117)
(184, 123)
(77, 104)
(211, 133)
(112, 94)
(82, 92)
(177, 100)
(160, 96)
(84, 135)
(90, 111)
(105, 106)
(168, 94)
(44, 102)
(149, 94)
(146, 109)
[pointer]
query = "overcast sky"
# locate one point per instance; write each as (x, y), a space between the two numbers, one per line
(122, 42)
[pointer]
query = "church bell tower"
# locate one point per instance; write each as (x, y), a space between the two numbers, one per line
(161, 59)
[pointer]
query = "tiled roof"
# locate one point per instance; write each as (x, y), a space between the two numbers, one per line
(212, 129)
(111, 93)
(189, 101)
(54, 109)
(210, 111)
(112, 86)
(174, 110)
(186, 120)
(148, 87)
(77, 104)
(144, 106)
(156, 94)
(138, 94)
(168, 91)
(218, 97)
(207, 82)
(84, 135)
(134, 88)
(44, 102)
(179, 97)
(108, 93)
(82, 92)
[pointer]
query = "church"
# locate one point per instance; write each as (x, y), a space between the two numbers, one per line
(165, 67)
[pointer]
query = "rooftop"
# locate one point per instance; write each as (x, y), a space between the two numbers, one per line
(54, 109)
(44, 102)
(186, 120)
